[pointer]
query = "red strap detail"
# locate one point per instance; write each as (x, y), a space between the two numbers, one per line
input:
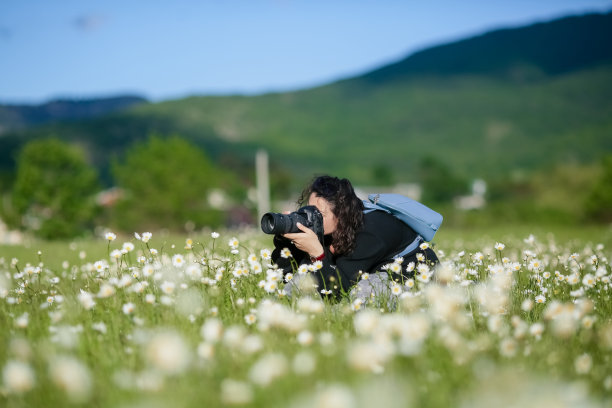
(318, 258)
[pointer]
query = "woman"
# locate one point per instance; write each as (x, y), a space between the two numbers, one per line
(355, 242)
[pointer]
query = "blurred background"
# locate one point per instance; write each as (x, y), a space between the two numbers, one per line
(140, 116)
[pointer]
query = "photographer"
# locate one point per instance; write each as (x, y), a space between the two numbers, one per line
(353, 242)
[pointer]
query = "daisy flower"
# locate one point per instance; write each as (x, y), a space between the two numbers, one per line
(423, 268)
(233, 243)
(536, 330)
(86, 300)
(145, 237)
(250, 319)
(128, 308)
(305, 338)
(270, 286)
(535, 265)
(588, 280)
(167, 287)
(395, 267)
(188, 243)
(148, 270)
(110, 236)
(527, 305)
(18, 377)
(573, 279)
(106, 290)
(178, 260)
(22, 321)
(266, 254)
(424, 277)
(100, 266)
(583, 363)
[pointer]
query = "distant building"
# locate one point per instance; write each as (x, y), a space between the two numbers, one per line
(474, 201)
(109, 198)
(8, 237)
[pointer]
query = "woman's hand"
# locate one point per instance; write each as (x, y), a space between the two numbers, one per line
(306, 241)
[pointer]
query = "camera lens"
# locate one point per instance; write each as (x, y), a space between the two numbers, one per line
(273, 223)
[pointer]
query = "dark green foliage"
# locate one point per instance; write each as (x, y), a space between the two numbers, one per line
(440, 185)
(166, 182)
(54, 190)
(525, 54)
(382, 175)
(598, 205)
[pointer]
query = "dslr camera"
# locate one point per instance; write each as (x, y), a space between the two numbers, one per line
(309, 216)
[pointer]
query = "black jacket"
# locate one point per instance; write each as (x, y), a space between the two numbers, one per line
(380, 239)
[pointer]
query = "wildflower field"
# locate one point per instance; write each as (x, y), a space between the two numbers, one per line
(518, 319)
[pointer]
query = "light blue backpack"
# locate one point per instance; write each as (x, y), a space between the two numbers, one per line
(422, 219)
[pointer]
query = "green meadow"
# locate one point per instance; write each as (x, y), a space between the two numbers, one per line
(513, 315)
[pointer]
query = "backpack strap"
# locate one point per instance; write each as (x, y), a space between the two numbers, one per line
(410, 248)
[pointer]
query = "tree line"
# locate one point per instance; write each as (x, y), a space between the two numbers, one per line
(170, 183)
(163, 182)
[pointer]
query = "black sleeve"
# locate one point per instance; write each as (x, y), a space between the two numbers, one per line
(339, 278)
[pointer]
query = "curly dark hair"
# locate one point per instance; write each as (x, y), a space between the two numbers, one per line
(345, 205)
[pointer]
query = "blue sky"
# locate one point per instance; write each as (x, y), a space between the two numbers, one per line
(171, 49)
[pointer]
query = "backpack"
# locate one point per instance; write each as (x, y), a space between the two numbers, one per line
(422, 219)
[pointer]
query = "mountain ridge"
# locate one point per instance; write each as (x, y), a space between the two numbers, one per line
(16, 116)
(549, 46)
(476, 124)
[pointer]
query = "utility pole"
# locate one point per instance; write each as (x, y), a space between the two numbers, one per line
(263, 182)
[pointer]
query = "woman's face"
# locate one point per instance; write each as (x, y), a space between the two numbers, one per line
(329, 219)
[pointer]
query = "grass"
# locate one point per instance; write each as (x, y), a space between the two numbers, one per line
(205, 323)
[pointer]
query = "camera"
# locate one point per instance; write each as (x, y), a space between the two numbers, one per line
(309, 216)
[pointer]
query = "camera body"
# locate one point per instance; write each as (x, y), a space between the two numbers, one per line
(309, 216)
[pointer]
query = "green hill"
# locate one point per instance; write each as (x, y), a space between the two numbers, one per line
(58, 110)
(505, 101)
